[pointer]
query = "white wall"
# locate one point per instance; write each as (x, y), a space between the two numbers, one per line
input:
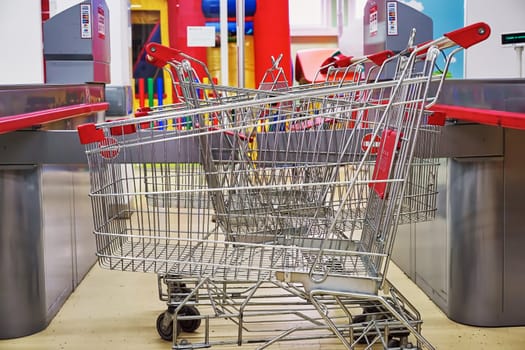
(22, 59)
(351, 39)
(489, 59)
(120, 42)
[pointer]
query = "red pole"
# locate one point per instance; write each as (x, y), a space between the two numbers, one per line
(271, 35)
(142, 95)
(181, 14)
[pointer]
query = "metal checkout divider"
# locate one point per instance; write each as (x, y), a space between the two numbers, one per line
(469, 260)
(46, 241)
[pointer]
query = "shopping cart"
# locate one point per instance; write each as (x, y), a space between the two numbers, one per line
(304, 192)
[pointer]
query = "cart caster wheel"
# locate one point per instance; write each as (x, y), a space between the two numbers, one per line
(359, 319)
(394, 343)
(165, 327)
(189, 326)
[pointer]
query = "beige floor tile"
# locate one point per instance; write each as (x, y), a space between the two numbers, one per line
(117, 310)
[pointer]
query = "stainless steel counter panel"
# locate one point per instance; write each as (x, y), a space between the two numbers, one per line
(497, 94)
(39, 147)
(84, 241)
(46, 242)
(514, 243)
(431, 243)
(470, 140)
(22, 290)
(57, 196)
(69, 245)
(421, 250)
(476, 227)
(46, 245)
(470, 260)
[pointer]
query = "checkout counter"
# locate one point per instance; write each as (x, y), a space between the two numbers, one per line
(46, 241)
(469, 260)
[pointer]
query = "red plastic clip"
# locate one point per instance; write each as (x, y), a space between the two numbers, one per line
(88, 133)
(380, 57)
(437, 118)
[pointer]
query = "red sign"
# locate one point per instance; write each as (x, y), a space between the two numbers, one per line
(367, 143)
(384, 163)
(101, 23)
(109, 148)
(373, 20)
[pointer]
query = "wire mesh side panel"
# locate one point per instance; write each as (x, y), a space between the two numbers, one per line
(144, 196)
(420, 196)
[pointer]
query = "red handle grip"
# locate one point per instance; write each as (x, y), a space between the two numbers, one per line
(337, 60)
(464, 37)
(159, 55)
(469, 35)
(380, 57)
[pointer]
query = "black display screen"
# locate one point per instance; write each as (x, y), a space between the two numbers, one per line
(513, 38)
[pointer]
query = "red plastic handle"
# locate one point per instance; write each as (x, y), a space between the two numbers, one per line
(464, 37)
(159, 55)
(344, 61)
(88, 133)
(380, 57)
(337, 60)
(469, 35)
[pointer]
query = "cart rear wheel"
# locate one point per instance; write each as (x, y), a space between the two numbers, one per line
(165, 327)
(394, 343)
(189, 325)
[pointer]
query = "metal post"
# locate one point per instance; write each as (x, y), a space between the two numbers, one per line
(519, 52)
(240, 42)
(340, 18)
(223, 17)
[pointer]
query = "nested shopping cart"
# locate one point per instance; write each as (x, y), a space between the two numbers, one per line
(196, 91)
(277, 213)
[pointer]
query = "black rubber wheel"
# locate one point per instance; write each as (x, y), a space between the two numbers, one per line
(359, 318)
(189, 326)
(164, 329)
(394, 343)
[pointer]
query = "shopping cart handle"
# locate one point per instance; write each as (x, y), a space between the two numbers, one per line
(142, 112)
(469, 35)
(337, 59)
(464, 37)
(89, 133)
(380, 57)
(159, 55)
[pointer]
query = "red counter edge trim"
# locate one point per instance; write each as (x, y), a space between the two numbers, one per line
(26, 120)
(513, 120)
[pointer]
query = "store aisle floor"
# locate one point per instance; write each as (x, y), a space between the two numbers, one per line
(117, 310)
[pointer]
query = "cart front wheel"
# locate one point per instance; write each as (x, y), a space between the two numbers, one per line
(189, 326)
(165, 326)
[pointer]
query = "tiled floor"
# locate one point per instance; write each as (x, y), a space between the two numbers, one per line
(117, 310)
